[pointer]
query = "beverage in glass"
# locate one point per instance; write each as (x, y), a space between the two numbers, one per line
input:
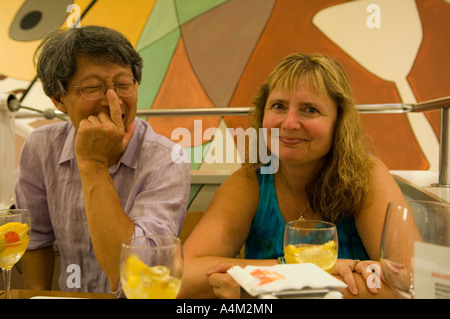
(151, 267)
(14, 238)
(311, 241)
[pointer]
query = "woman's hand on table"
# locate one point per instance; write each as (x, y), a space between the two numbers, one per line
(224, 286)
(366, 268)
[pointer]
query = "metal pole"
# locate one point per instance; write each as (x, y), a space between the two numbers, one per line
(7, 152)
(444, 149)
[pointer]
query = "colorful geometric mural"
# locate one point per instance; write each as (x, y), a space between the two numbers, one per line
(215, 53)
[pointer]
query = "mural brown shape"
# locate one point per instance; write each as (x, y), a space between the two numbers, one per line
(430, 74)
(181, 89)
(220, 42)
(387, 134)
(289, 30)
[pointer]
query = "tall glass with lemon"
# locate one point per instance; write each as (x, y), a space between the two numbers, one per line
(14, 238)
(151, 267)
(311, 241)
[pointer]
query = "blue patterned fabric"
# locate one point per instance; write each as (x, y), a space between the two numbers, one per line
(265, 240)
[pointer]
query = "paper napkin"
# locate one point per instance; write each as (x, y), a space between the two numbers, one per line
(263, 280)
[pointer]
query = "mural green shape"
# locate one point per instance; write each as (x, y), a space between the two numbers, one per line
(162, 21)
(188, 10)
(157, 57)
(159, 39)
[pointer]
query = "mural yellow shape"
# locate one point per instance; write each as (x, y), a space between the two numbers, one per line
(16, 56)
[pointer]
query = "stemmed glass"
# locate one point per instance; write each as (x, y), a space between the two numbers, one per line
(15, 227)
(151, 267)
(415, 248)
(311, 241)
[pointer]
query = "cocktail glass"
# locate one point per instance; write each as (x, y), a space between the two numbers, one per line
(15, 227)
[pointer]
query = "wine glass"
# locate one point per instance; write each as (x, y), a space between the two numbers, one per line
(15, 227)
(311, 241)
(151, 267)
(415, 248)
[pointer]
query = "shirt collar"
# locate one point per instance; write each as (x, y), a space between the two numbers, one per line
(68, 151)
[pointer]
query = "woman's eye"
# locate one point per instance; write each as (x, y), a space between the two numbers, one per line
(277, 106)
(311, 111)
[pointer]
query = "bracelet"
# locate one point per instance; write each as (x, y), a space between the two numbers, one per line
(281, 260)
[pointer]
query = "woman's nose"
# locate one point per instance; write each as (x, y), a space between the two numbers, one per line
(292, 120)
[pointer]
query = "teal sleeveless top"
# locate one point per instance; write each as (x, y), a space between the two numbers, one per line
(265, 240)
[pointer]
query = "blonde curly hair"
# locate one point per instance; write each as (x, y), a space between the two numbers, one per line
(343, 183)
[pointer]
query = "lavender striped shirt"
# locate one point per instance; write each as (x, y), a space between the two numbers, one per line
(153, 190)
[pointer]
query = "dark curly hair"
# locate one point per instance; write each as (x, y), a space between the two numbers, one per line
(58, 52)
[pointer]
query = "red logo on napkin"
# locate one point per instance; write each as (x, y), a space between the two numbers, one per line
(266, 276)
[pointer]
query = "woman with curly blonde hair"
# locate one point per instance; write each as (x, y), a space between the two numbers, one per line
(347, 166)
(325, 172)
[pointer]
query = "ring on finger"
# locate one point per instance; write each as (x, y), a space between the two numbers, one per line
(355, 262)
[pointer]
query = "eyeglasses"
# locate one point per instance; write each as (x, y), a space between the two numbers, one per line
(93, 90)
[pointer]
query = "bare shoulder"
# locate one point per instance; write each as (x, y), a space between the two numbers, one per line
(228, 218)
(237, 197)
(383, 184)
(378, 166)
(243, 183)
(247, 175)
(382, 178)
(369, 219)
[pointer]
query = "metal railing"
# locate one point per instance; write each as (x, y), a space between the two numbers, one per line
(431, 105)
(442, 103)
